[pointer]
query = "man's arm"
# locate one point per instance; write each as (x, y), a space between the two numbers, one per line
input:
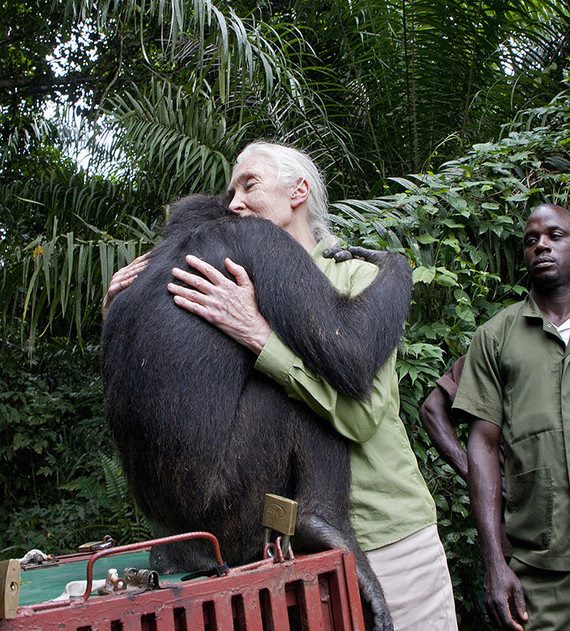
(435, 415)
(504, 591)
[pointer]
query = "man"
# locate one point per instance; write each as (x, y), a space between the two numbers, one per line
(515, 384)
(393, 512)
(439, 421)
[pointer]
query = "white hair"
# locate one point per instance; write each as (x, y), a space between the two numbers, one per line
(290, 165)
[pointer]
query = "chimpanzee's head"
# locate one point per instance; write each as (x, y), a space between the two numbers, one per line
(193, 211)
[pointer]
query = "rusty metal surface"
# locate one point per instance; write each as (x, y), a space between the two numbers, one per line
(317, 592)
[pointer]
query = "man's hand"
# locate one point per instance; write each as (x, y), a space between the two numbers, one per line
(123, 279)
(505, 596)
(228, 305)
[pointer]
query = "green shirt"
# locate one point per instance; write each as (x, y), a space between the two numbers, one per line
(390, 499)
(517, 376)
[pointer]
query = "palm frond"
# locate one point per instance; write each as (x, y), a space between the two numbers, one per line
(180, 137)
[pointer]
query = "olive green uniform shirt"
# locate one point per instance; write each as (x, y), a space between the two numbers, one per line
(390, 499)
(516, 376)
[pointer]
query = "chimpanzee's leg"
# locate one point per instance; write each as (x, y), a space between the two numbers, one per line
(323, 518)
(315, 532)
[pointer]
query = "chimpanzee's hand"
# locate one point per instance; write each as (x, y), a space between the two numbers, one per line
(228, 305)
(377, 257)
(122, 279)
(505, 596)
(337, 253)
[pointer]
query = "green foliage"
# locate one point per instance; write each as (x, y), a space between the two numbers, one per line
(58, 485)
(414, 82)
(461, 228)
(184, 133)
(169, 91)
(50, 428)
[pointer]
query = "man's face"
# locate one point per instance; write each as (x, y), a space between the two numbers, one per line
(546, 247)
(256, 190)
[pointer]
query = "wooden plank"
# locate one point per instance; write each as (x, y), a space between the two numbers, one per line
(353, 592)
(130, 622)
(165, 619)
(223, 613)
(279, 616)
(310, 605)
(194, 615)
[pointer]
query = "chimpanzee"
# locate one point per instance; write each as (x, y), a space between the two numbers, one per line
(201, 434)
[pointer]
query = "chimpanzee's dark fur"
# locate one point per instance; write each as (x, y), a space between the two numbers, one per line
(202, 434)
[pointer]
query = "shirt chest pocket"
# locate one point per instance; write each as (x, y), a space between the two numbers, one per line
(528, 515)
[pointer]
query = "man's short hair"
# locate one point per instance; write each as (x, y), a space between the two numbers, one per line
(538, 207)
(291, 164)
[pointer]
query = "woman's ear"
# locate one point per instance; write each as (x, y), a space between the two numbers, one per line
(300, 193)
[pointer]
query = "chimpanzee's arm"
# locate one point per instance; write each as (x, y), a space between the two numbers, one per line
(343, 339)
(355, 419)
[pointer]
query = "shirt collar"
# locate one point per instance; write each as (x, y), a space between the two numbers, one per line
(530, 309)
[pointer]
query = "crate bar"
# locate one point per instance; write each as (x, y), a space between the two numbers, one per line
(278, 610)
(309, 599)
(193, 614)
(164, 619)
(353, 594)
(253, 619)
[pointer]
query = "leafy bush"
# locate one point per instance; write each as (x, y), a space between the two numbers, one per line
(58, 485)
(462, 231)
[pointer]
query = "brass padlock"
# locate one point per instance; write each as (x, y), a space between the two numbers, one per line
(9, 588)
(279, 514)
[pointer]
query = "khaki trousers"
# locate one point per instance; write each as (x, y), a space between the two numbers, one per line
(547, 596)
(413, 573)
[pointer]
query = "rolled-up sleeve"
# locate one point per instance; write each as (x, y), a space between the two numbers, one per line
(480, 391)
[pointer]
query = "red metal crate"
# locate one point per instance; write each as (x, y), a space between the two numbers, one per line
(312, 592)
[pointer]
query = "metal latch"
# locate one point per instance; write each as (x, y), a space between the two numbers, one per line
(95, 546)
(134, 581)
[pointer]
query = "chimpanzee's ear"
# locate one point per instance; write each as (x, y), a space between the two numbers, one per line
(300, 192)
